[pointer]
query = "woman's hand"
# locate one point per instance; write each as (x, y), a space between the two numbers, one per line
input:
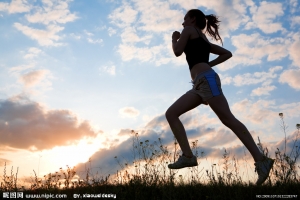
(175, 35)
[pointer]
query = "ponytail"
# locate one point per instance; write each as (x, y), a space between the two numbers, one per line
(212, 21)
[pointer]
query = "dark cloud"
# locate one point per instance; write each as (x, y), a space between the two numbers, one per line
(104, 162)
(290, 145)
(157, 128)
(124, 132)
(25, 124)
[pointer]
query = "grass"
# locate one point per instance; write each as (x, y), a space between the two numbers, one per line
(149, 178)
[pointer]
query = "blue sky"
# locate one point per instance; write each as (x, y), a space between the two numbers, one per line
(77, 76)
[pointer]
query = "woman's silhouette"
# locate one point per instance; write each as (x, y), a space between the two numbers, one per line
(206, 89)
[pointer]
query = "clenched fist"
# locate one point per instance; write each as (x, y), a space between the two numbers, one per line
(175, 35)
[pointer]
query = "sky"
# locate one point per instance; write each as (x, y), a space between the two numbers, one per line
(77, 76)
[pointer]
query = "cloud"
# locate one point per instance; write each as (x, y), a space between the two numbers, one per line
(90, 40)
(252, 78)
(111, 31)
(251, 49)
(129, 52)
(32, 78)
(25, 124)
(15, 6)
(294, 50)
(290, 109)
(129, 112)
(232, 13)
(157, 16)
(52, 12)
(211, 142)
(88, 33)
(291, 77)
(295, 20)
(4, 161)
(259, 112)
(43, 37)
(18, 69)
(145, 21)
(109, 69)
(138, 22)
(129, 35)
(77, 37)
(123, 16)
(264, 90)
(32, 52)
(97, 41)
(263, 17)
(293, 5)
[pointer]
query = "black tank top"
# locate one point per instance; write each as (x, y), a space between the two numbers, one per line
(197, 51)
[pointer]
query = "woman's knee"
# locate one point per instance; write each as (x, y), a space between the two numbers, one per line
(229, 121)
(170, 114)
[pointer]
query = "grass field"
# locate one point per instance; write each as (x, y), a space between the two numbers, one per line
(149, 178)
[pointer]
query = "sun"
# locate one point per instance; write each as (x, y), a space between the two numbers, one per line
(60, 157)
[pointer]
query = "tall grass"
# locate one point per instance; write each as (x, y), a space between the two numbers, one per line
(148, 177)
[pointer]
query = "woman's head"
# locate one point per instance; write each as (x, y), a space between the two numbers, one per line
(208, 21)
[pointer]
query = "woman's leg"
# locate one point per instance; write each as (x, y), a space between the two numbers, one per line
(220, 106)
(185, 103)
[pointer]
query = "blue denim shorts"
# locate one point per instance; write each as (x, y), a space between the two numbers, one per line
(207, 85)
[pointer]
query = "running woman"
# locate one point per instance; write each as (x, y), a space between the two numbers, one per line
(206, 89)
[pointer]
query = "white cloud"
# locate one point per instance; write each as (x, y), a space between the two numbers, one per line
(44, 37)
(129, 112)
(295, 20)
(291, 109)
(52, 12)
(251, 49)
(32, 52)
(231, 13)
(142, 20)
(109, 69)
(32, 78)
(294, 50)
(264, 16)
(264, 90)
(252, 78)
(111, 31)
(77, 37)
(293, 5)
(291, 77)
(18, 69)
(129, 35)
(157, 16)
(3, 6)
(97, 41)
(123, 16)
(259, 112)
(88, 33)
(15, 6)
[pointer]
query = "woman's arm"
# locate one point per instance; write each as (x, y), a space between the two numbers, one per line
(224, 55)
(178, 46)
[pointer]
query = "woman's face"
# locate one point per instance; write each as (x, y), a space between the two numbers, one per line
(188, 21)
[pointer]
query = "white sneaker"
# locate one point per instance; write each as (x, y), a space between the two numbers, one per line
(263, 169)
(184, 162)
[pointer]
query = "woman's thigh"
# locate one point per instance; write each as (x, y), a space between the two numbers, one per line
(186, 102)
(220, 106)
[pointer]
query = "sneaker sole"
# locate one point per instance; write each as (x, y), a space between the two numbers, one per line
(263, 180)
(171, 167)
